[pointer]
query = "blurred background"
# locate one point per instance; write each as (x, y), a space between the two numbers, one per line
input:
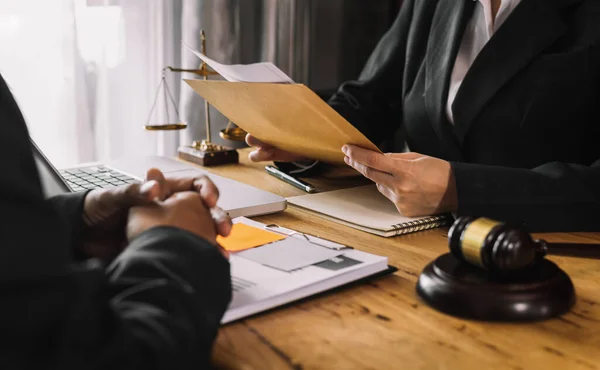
(85, 72)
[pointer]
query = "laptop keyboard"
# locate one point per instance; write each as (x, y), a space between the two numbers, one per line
(95, 177)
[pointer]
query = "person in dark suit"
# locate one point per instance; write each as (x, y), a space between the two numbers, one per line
(122, 278)
(500, 104)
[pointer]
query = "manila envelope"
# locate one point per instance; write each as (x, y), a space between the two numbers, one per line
(288, 116)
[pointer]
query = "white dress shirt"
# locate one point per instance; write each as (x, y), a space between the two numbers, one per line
(478, 32)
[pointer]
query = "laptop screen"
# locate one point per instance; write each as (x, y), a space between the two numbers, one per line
(52, 182)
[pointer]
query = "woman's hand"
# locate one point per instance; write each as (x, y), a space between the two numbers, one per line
(417, 184)
(265, 152)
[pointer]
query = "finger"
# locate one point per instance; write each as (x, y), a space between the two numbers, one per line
(134, 194)
(376, 176)
(149, 191)
(369, 158)
(186, 196)
(200, 184)
(155, 174)
(393, 197)
(207, 190)
(222, 221)
(262, 154)
(164, 188)
(253, 141)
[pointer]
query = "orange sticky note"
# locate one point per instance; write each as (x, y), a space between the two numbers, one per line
(244, 237)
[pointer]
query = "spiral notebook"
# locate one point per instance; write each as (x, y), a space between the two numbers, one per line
(365, 208)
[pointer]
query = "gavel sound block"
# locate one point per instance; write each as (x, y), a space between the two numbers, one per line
(495, 272)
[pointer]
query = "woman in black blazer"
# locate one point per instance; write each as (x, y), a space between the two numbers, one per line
(522, 146)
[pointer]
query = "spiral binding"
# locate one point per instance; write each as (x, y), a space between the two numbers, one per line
(420, 225)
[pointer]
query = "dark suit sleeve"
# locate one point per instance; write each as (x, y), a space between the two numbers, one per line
(373, 103)
(69, 208)
(552, 197)
(158, 306)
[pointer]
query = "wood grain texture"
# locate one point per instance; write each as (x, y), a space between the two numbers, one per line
(385, 325)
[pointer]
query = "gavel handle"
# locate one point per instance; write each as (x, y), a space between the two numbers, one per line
(581, 250)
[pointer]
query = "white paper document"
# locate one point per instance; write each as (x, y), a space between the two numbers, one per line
(257, 72)
(289, 254)
(258, 287)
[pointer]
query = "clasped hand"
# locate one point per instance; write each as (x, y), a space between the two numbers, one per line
(114, 216)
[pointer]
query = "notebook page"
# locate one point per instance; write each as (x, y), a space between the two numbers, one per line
(265, 72)
(363, 205)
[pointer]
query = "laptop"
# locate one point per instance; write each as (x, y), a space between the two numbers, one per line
(236, 198)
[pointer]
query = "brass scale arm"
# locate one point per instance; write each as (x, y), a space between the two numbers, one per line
(199, 72)
(204, 72)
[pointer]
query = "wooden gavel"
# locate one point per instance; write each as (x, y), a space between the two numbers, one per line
(500, 247)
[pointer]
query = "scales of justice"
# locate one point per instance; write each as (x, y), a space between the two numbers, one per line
(203, 152)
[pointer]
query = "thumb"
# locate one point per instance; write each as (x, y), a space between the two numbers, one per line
(162, 191)
(147, 192)
(155, 174)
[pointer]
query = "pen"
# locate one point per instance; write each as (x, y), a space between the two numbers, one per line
(274, 171)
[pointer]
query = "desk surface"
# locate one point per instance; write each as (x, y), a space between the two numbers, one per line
(384, 324)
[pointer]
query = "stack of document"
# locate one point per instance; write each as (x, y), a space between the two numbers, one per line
(256, 72)
(290, 267)
(264, 101)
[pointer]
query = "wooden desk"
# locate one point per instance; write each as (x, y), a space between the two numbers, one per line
(385, 325)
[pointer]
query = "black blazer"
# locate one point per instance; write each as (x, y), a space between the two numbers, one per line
(158, 306)
(524, 146)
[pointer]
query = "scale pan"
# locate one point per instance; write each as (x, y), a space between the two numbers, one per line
(166, 126)
(233, 134)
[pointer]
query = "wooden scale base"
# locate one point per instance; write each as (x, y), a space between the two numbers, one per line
(460, 289)
(208, 154)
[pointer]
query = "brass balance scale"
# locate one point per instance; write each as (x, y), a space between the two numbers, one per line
(203, 152)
